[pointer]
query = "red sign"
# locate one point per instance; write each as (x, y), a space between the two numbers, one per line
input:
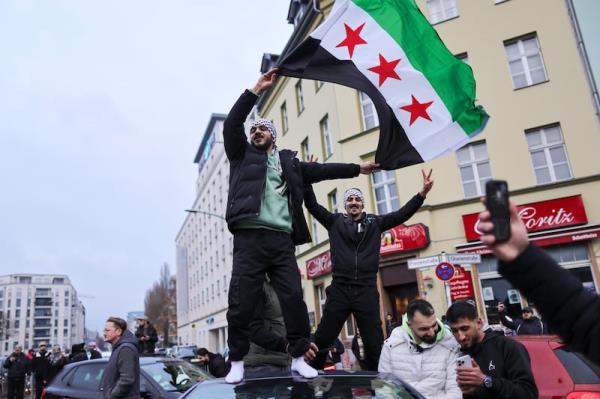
(319, 265)
(404, 238)
(537, 216)
(461, 285)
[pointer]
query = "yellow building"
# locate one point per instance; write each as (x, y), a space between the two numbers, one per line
(542, 138)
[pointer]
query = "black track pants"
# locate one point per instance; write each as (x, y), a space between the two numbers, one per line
(343, 300)
(256, 252)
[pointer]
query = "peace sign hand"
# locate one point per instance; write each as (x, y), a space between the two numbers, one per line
(427, 182)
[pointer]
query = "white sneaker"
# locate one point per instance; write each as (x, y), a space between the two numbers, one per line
(236, 373)
(302, 368)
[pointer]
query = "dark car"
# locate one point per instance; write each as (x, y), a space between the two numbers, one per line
(329, 384)
(159, 378)
(558, 371)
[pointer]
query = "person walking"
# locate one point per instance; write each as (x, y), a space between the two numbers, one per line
(146, 335)
(501, 366)
(57, 361)
(39, 366)
(18, 366)
(355, 243)
(423, 353)
(264, 213)
(569, 309)
(121, 377)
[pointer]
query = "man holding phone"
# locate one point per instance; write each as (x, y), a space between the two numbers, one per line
(501, 367)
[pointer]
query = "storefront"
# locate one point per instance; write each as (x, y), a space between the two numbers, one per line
(560, 226)
(397, 284)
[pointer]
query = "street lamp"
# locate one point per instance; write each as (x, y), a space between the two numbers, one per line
(205, 213)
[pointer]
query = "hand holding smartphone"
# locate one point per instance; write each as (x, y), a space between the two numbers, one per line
(496, 194)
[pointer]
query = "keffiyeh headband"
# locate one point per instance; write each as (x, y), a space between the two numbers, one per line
(353, 191)
(266, 123)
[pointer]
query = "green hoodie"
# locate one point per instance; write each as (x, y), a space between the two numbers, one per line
(439, 336)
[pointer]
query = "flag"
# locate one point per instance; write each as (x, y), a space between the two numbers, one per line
(423, 94)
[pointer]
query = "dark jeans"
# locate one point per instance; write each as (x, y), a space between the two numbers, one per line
(343, 300)
(256, 252)
(16, 387)
(39, 385)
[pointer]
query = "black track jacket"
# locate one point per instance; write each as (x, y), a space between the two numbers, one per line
(570, 310)
(248, 171)
(354, 261)
(508, 363)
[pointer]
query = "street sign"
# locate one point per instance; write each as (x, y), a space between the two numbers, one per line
(419, 263)
(463, 259)
(444, 271)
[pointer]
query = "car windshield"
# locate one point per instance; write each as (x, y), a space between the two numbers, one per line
(186, 351)
(174, 375)
(326, 386)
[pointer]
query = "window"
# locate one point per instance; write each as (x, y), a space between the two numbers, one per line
(304, 150)
(318, 85)
(350, 326)
(321, 297)
(548, 154)
(369, 115)
(525, 62)
(384, 188)
(332, 201)
(315, 229)
(284, 118)
(299, 97)
(88, 376)
(326, 135)
(474, 166)
(441, 10)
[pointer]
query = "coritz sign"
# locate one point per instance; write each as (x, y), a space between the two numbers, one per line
(319, 265)
(404, 238)
(537, 216)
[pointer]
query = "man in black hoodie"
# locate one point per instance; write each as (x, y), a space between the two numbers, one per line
(18, 365)
(264, 213)
(528, 324)
(39, 364)
(501, 366)
(214, 362)
(355, 242)
(570, 310)
(122, 373)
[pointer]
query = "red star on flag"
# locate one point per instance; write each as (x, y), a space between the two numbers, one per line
(385, 69)
(417, 110)
(352, 39)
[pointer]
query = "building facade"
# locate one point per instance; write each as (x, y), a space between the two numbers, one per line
(532, 78)
(204, 249)
(39, 308)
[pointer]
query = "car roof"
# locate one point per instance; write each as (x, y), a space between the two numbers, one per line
(143, 360)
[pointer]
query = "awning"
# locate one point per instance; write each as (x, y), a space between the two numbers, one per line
(543, 238)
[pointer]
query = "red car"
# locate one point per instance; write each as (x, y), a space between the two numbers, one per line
(559, 372)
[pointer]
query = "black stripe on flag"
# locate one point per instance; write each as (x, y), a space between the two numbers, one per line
(311, 61)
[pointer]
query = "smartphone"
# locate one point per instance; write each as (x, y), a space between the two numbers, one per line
(464, 361)
(496, 193)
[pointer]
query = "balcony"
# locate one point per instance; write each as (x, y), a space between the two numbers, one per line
(42, 302)
(42, 323)
(42, 313)
(43, 293)
(45, 333)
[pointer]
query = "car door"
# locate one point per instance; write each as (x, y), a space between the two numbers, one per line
(85, 381)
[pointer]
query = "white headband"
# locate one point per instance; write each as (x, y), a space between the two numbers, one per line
(266, 123)
(353, 191)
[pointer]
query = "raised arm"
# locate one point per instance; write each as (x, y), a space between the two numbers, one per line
(234, 134)
(319, 212)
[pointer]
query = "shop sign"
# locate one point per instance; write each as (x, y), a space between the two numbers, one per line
(538, 216)
(461, 285)
(319, 265)
(404, 238)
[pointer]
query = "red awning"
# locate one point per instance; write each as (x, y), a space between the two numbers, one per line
(543, 238)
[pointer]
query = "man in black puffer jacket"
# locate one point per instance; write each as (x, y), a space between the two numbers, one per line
(264, 213)
(528, 324)
(355, 242)
(122, 373)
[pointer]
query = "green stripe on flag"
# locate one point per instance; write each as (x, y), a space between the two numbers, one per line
(451, 78)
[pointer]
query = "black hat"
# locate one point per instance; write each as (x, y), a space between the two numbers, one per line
(526, 309)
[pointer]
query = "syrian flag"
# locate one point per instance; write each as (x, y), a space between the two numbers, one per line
(424, 96)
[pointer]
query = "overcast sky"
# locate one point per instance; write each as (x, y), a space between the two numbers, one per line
(102, 108)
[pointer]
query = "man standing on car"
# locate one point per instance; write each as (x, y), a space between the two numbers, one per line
(39, 364)
(264, 213)
(355, 243)
(501, 366)
(121, 377)
(146, 335)
(18, 365)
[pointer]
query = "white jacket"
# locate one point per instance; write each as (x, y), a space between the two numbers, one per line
(429, 368)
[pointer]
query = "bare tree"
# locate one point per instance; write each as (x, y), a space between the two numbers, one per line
(160, 304)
